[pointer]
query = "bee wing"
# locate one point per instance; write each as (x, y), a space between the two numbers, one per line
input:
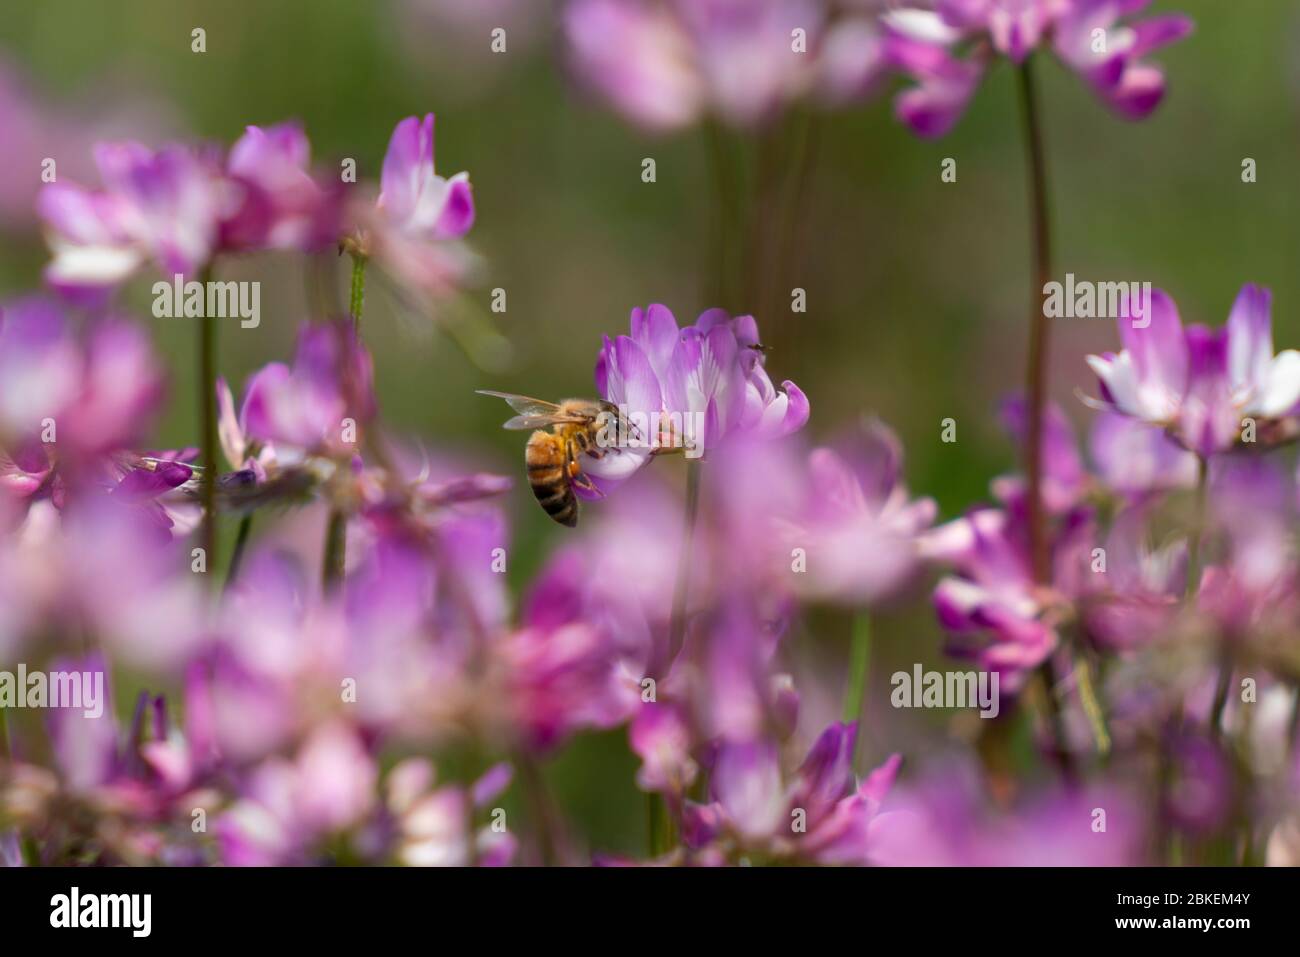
(533, 413)
(523, 422)
(523, 404)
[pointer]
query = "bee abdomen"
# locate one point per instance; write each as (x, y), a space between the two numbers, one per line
(545, 461)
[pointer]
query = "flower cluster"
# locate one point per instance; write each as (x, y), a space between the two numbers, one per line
(358, 682)
(667, 66)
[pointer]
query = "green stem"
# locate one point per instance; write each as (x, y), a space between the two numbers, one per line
(855, 692)
(336, 529)
(1092, 705)
(1051, 679)
(1221, 689)
(660, 831)
(1036, 382)
(542, 811)
(336, 546)
(208, 428)
(1039, 328)
(5, 750)
(1194, 546)
(357, 295)
(237, 556)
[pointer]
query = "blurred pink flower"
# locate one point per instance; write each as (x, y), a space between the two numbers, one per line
(858, 525)
(1091, 37)
(164, 205)
(415, 229)
(283, 206)
(1200, 383)
(820, 814)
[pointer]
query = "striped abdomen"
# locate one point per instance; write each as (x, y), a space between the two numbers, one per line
(548, 474)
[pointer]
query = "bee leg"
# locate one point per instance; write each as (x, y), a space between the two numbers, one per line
(587, 485)
(577, 478)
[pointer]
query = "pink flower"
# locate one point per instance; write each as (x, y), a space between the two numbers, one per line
(306, 406)
(820, 814)
(664, 66)
(859, 527)
(690, 388)
(415, 229)
(283, 206)
(70, 398)
(177, 207)
(163, 206)
(1200, 383)
(1089, 36)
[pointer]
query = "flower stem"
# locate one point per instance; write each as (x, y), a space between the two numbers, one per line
(1036, 380)
(208, 427)
(542, 811)
(1198, 532)
(1221, 689)
(855, 692)
(336, 546)
(1092, 705)
(660, 832)
(336, 529)
(1039, 328)
(237, 556)
(357, 294)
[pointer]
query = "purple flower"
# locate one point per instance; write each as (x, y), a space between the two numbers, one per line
(1199, 383)
(661, 737)
(994, 610)
(1133, 458)
(665, 65)
(283, 206)
(414, 199)
(1091, 37)
(164, 205)
(306, 406)
(819, 814)
(948, 821)
(690, 388)
(415, 229)
(69, 400)
(1135, 596)
(1251, 590)
(561, 671)
(179, 206)
(436, 825)
(858, 524)
(289, 808)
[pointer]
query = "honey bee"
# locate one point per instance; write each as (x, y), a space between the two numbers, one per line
(551, 458)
